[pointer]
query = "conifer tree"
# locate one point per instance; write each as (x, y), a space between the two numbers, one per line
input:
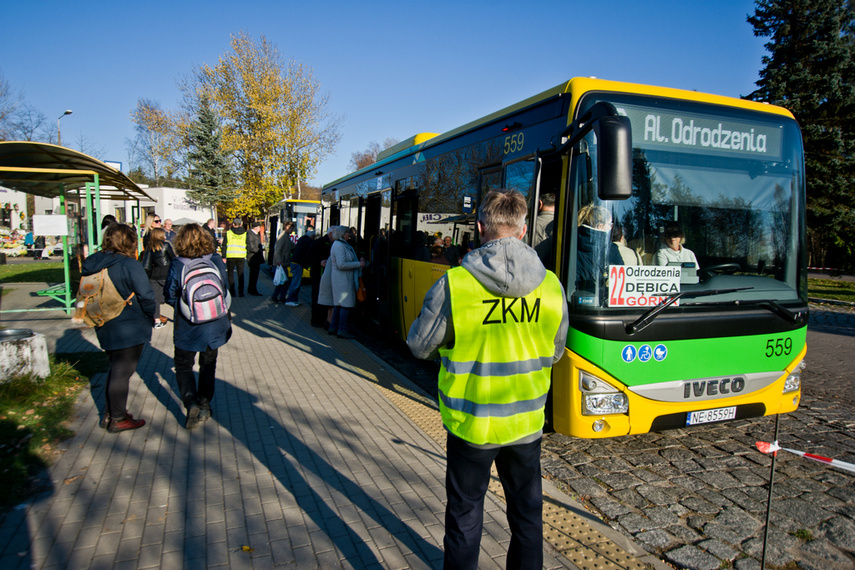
(810, 70)
(210, 170)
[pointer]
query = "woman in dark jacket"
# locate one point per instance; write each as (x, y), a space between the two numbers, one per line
(156, 257)
(123, 337)
(189, 338)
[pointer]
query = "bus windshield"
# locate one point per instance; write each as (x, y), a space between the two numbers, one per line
(717, 204)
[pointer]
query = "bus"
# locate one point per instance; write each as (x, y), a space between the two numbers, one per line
(655, 343)
(304, 214)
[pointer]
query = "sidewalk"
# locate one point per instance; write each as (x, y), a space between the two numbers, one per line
(314, 458)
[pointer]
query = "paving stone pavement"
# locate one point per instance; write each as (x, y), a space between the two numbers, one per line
(305, 463)
(697, 496)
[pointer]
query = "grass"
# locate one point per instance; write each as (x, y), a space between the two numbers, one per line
(34, 417)
(36, 272)
(835, 289)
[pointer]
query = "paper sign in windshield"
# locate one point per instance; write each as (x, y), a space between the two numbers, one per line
(642, 285)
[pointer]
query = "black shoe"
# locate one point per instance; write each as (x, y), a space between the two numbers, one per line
(192, 419)
(332, 332)
(254, 294)
(204, 410)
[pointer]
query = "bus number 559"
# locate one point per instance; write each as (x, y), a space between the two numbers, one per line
(778, 346)
(514, 143)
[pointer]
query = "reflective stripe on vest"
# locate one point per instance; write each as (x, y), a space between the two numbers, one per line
(235, 246)
(494, 379)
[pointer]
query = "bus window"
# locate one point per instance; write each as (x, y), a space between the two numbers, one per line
(519, 176)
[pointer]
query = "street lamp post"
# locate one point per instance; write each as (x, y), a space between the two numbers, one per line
(58, 135)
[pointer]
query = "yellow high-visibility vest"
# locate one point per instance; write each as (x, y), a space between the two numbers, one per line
(235, 244)
(494, 379)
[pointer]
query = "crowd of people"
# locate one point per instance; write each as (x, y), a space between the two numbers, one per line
(145, 281)
(159, 274)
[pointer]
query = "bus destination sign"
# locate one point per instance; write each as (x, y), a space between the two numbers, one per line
(656, 129)
(642, 285)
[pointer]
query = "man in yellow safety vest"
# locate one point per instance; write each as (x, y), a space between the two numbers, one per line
(498, 322)
(234, 250)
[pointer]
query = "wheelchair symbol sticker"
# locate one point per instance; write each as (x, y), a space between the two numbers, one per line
(644, 352)
(660, 352)
(628, 353)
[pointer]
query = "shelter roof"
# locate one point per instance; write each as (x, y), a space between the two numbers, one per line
(45, 170)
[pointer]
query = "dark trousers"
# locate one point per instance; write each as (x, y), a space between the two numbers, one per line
(123, 363)
(319, 312)
(232, 264)
(466, 480)
(186, 380)
(157, 286)
(254, 267)
(338, 322)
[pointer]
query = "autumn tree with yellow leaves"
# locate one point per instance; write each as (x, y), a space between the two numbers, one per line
(274, 119)
(154, 149)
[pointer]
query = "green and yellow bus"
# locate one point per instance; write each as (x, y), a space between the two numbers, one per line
(656, 341)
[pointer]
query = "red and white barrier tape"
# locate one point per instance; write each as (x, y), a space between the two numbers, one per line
(766, 447)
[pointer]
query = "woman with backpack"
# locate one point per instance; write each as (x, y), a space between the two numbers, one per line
(196, 287)
(157, 256)
(122, 337)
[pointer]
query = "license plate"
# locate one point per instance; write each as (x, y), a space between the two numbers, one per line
(707, 416)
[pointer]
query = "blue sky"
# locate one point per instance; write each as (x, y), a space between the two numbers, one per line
(391, 69)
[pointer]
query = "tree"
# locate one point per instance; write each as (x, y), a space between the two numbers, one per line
(362, 158)
(810, 70)
(27, 123)
(209, 168)
(155, 146)
(274, 121)
(9, 101)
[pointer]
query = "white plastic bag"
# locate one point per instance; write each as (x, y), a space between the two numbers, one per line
(279, 277)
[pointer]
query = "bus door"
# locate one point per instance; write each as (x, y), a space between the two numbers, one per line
(520, 175)
(381, 259)
(547, 194)
(403, 246)
(369, 230)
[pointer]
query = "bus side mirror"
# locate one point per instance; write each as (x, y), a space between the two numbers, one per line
(614, 157)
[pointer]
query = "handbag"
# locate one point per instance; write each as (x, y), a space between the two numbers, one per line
(279, 276)
(361, 293)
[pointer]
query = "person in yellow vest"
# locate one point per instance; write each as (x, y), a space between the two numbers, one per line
(234, 250)
(498, 322)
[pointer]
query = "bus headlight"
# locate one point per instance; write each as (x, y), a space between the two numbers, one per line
(601, 404)
(599, 398)
(794, 381)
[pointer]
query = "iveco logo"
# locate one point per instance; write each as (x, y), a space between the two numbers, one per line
(713, 387)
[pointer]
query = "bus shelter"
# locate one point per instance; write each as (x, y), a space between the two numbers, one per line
(52, 171)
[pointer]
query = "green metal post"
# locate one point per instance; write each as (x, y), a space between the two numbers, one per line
(68, 302)
(90, 214)
(96, 221)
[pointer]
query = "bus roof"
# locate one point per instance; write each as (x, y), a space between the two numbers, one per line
(577, 88)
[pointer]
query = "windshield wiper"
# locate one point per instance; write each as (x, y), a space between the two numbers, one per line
(650, 315)
(770, 304)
